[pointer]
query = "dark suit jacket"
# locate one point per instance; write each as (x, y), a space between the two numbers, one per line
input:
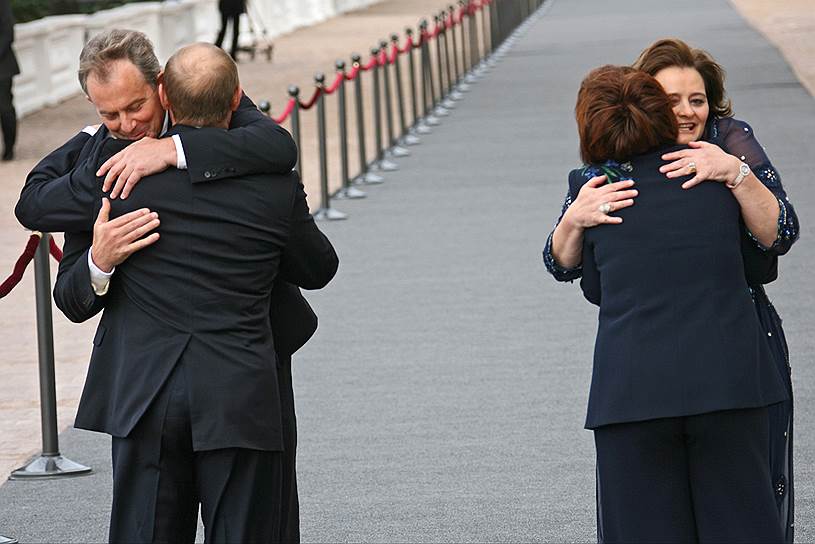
(201, 295)
(677, 334)
(8, 62)
(48, 202)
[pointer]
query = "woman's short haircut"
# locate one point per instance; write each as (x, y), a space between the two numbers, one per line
(670, 52)
(622, 112)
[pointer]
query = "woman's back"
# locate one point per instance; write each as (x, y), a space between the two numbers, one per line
(677, 331)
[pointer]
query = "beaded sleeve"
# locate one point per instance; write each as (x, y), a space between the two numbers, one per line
(559, 272)
(737, 138)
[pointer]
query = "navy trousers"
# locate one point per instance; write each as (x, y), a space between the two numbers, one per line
(701, 478)
(159, 482)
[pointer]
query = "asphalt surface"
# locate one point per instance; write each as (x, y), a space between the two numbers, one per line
(443, 398)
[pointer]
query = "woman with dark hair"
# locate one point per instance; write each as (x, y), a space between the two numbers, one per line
(720, 149)
(680, 384)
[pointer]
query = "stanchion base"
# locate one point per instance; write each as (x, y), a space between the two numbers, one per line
(411, 139)
(456, 95)
(7, 540)
(422, 128)
(449, 103)
(349, 192)
(385, 166)
(471, 78)
(369, 178)
(463, 87)
(329, 214)
(397, 152)
(49, 467)
(441, 111)
(432, 120)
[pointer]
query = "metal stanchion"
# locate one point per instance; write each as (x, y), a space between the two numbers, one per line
(325, 212)
(405, 138)
(440, 110)
(347, 190)
(418, 126)
(294, 92)
(7, 540)
(364, 176)
(381, 164)
(50, 463)
(450, 101)
(394, 150)
(459, 87)
(427, 80)
(472, 31)
(465, 57)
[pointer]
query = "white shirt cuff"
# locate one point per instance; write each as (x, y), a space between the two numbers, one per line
(100, 281)
(179, 151)
(91, 129)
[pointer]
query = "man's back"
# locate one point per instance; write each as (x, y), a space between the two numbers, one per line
(200, 295)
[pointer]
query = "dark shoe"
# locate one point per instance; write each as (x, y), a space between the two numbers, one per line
(8, 155)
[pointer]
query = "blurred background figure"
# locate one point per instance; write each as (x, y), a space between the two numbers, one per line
(8, 69)
(231, 13)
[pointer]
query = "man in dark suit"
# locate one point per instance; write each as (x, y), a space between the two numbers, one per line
(47, 203)
(8, 69)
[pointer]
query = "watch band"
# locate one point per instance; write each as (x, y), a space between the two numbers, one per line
(744, 171)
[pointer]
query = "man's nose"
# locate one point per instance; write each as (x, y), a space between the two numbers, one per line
(128, 124)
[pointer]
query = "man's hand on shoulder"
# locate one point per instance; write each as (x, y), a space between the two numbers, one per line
(114, 240)
(146, 157)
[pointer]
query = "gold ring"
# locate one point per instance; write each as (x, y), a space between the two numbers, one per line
(692, 167)
(605, 208)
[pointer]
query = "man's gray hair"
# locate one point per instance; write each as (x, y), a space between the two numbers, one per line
(113, 45)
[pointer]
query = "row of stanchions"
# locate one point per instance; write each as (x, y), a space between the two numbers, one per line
(466, 39)
(441, 82)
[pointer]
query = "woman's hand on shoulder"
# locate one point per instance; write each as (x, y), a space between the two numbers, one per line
(708, 161)
(587, 209)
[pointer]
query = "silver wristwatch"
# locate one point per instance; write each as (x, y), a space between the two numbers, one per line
(744, 171)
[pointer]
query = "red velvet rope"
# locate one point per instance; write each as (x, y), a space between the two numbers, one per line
(352, 75)
(285, 115)
(394, 53)
(313, 100)
(20, 266)
(54, 249)
(335, 84)
(382, 58)
(408, 45)
(371, 63)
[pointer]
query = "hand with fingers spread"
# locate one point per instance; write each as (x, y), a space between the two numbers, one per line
(595, 201)
(115, 240)
(143, 158)
(707, 161)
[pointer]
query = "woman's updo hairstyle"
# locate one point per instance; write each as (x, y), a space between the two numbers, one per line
(622, 112)
(670, 52)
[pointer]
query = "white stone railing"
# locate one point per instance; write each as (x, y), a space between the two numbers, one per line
(48, 49)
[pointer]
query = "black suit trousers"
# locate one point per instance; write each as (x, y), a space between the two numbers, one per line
(8, 116)
(158, 481)
(701, 478)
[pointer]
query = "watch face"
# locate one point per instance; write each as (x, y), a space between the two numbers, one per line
(744, 169)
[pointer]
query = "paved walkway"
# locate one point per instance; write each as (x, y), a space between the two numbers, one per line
(443, 398)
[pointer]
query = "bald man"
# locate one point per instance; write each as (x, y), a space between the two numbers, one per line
(182, 373)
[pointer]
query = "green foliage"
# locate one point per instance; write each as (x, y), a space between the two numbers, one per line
(29, 10)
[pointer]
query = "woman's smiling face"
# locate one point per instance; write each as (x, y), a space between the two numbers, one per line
(686, 88)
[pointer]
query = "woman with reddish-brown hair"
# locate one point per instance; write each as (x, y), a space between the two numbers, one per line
(724, 150)
(681, 383)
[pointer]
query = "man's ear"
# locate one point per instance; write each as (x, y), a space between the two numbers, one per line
(236, 98)
(162, 92)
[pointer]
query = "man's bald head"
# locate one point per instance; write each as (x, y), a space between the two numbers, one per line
(200, 84)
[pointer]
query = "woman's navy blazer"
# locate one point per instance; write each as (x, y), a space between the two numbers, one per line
(677, 333)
